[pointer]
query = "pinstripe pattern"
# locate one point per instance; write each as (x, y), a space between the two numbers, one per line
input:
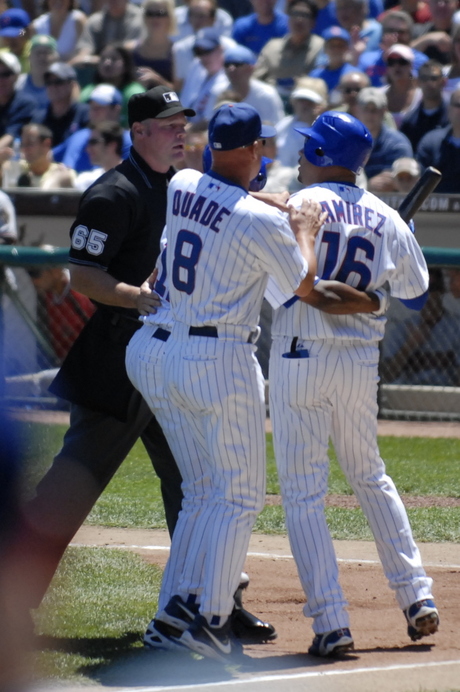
(333, 393)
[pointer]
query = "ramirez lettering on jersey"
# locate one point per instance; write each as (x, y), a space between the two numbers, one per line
(350, 212)
(198, 209)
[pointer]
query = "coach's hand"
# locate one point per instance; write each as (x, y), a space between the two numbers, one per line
(308, 219)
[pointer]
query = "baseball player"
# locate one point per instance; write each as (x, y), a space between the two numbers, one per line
(323, 383)
(222, 245)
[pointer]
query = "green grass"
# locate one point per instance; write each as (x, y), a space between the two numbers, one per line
(101, 599)
(418, 466)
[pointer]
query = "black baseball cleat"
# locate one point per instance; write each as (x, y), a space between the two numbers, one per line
(246, 627)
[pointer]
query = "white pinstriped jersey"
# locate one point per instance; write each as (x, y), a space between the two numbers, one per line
(365, 244)
(222, 245)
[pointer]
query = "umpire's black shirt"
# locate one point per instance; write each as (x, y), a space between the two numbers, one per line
(118, 229)
(120, 221)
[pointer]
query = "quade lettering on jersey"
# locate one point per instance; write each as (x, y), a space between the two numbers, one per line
(350, 212)
(210, 215)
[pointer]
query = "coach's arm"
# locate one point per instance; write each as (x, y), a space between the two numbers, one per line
(336, 298)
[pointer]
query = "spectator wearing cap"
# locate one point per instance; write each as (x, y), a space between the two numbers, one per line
(307, 103)
(337, 42)
(16, 108)
(193, 15)
(389, 144)
(203, 14)
(64, 114)
(43, 52)
(39, 169)
(265, 23)
(402, 92)
(239, 66)
(283, 59)
(441, 148)
(202, 86)
(405, 172)
(15, 35)
(104, 104)
(116, 67)
(397, 27)
(118, 21)
(327, 15)
(64, 22)
(432, 111)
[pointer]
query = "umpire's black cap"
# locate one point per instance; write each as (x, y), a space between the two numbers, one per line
(159, 102)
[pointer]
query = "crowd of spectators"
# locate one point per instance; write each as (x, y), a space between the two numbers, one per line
(70, 66)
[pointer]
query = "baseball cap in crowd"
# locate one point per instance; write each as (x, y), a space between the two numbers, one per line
(61, 70)
(373, 95)
(106, 95)
(236, 125)
(307, 94)
(13, 22)
(159, 102)
(44, 41)
(10, 61)
(399, 50)
(405, 165)
(206, 40)
(240, 54)
(336, 32)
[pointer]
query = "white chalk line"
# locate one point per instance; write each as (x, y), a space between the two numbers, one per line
(270, 556)
(296, 676)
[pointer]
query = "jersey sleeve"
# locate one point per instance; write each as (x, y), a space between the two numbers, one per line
(410, 278)
(103, 220)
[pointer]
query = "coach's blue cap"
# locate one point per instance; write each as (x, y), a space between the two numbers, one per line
(336, 32)
(236, 125)
(240, 54)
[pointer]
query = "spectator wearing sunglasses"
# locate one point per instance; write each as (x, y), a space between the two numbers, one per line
(152, 53)
(432, 111)
(206, 78)
(64, 115)
(239, 67)
(104, 147)
(402, 91)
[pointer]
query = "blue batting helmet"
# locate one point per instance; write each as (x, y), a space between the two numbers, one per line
(337, 139)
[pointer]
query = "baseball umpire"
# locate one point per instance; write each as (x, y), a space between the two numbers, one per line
(114, 245)
(323, 383)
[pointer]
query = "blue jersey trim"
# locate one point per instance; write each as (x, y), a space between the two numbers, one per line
(415, 303)
(291, 301)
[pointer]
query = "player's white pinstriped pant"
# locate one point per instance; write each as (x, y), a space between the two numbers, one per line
(145, 367)
(229, 413)
(334, 391)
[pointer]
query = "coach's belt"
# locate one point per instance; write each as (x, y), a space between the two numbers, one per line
(210, 332)
(294, 353)
(161, 334)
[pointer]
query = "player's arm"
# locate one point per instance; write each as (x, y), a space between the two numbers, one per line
(336, 298)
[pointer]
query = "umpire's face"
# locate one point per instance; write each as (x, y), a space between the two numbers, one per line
(161, 141)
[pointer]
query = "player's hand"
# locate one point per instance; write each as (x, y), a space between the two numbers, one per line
(308, 219)
(147, 301)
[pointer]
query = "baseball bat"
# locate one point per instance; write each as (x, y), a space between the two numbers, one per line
(421, 190)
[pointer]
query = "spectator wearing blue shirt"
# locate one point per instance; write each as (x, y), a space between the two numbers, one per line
(265, 23)
(16, 109)
(43, 52)
(397, 27)
(327, 15)
(389, 144)
(352, 16)
(336, 46)
(104, 104)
